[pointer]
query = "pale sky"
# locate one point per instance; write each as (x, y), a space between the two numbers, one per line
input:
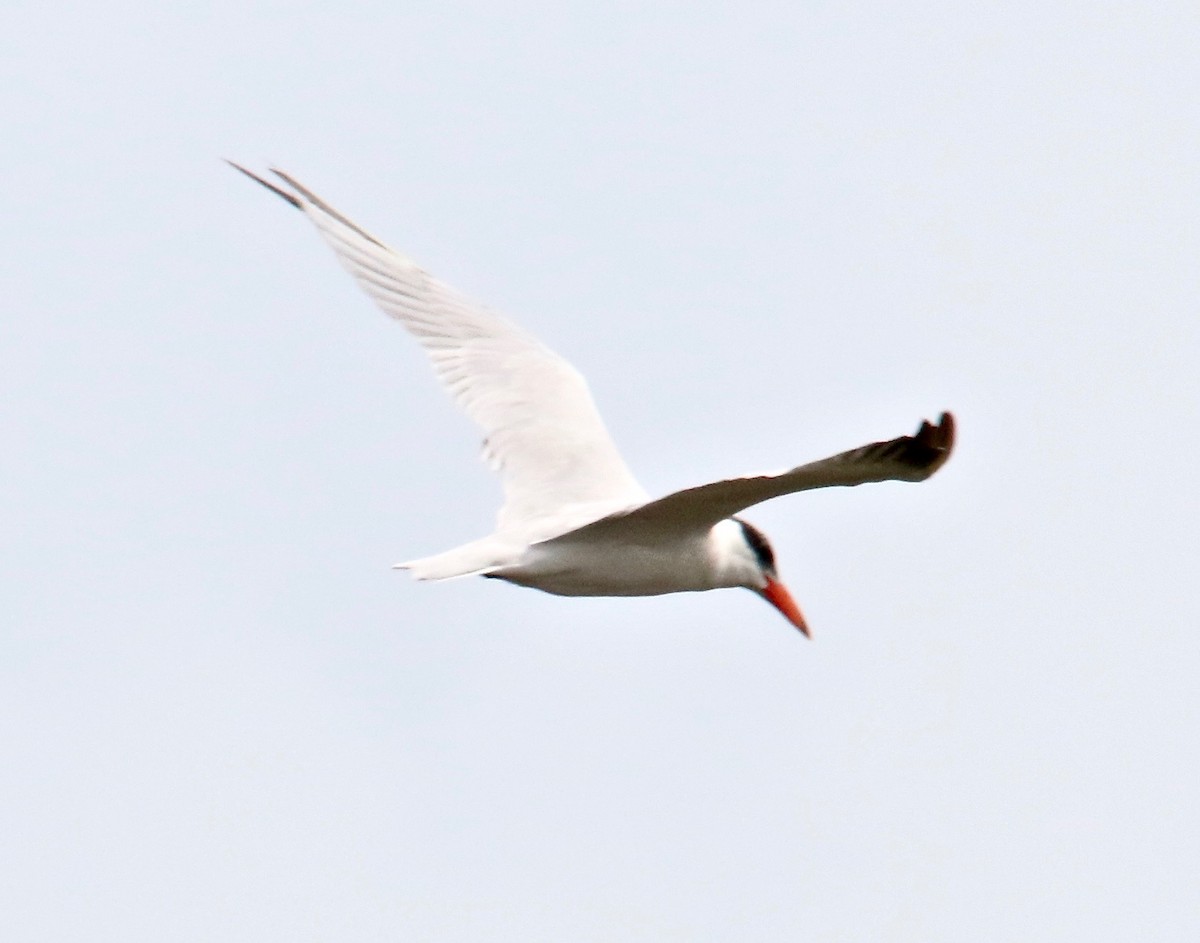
(765, 232)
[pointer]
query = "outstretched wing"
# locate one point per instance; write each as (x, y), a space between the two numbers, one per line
(908, 458)
(542, 430)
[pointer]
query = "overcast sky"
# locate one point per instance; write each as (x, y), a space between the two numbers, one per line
(765, 232)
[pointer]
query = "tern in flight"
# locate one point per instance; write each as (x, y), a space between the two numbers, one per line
(575, 522)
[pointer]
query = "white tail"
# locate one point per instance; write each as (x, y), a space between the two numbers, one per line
(471, 559)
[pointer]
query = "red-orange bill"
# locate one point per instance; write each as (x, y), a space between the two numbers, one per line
(777, 595)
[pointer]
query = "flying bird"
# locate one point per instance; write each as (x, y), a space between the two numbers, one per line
(575, 522)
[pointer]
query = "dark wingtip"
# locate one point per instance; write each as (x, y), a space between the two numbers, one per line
(307, 197)
(945, 430)
(938, 439)
(278, 191)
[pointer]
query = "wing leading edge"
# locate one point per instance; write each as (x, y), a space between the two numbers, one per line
(542, 430)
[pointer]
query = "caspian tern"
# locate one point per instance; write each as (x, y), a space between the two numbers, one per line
(575, 522)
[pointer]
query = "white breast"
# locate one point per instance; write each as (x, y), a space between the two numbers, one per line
(573, 567)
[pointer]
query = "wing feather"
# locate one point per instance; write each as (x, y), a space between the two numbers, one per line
(907, 458)
(542, 430)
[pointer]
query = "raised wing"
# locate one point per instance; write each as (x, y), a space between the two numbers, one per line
(542, 431)
(908, 458)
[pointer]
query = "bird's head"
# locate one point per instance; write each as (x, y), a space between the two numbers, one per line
(750, 562)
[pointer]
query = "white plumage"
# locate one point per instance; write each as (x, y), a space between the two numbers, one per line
(575, 521)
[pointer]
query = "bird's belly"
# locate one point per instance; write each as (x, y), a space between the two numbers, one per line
(607, 569)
